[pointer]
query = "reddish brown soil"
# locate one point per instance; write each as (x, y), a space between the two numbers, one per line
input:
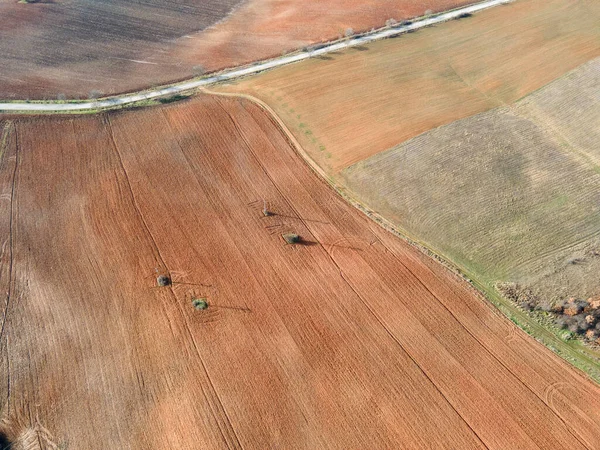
(351, 339)
(75, 48)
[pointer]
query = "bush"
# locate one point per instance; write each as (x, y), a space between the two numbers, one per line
(464, 15)
(173, 98)
(291, 238)
(94, 94)
(200, 304)
(198, 70)
(163, 280)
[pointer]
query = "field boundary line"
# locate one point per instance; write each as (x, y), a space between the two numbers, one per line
(94, 106)
(10, 229)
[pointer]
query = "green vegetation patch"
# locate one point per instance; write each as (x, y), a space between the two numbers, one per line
(200, 304)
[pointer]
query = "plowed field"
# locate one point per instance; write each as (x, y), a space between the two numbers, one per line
(351, 106)
(78, 48)
(351, 338)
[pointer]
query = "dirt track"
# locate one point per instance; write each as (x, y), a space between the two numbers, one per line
(352, 339)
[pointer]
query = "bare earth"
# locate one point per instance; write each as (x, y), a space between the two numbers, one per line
(350, 339)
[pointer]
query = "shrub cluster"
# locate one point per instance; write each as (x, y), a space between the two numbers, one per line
(578, 316)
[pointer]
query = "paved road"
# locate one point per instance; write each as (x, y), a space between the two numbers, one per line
(237, 73)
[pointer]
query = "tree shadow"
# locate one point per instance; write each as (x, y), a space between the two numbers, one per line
(235, 308)
(273, 214)
(5, 444)
(305, 243)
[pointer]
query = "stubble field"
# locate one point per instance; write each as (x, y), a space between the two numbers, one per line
(510, 195)
(502, 192)
(350, 338)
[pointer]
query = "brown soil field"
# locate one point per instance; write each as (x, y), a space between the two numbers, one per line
(360, 102)
(73, 48)
(350, 339)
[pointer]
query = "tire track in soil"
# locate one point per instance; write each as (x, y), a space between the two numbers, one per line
(219, 413)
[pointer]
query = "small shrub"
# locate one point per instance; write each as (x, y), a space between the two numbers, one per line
(349, 32)
(198, 70)
(566, 335)
(163, 280)
(173, 98)
(200, 304)
(94, 94)
(291, 238)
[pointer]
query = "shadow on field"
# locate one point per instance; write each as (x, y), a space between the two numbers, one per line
(5, 444)
(235, 308)
(301, 218)
(360, 48)
(305, 243)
